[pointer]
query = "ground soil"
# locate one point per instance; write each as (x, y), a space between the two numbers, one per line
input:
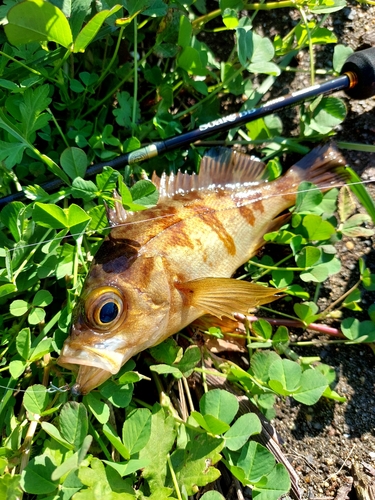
(332, 445)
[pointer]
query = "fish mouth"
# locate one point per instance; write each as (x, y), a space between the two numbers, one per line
(95, 366)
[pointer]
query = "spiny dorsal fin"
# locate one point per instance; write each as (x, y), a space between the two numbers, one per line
(116, 215)
(220, 167)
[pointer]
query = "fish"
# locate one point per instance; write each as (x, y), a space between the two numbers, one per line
(160, 269)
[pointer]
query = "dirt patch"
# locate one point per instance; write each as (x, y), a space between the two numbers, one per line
(332, 445)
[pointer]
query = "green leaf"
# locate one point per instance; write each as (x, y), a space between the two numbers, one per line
(358, 331)
(42, 298)
(162, 438)
(52, 431)
(74, 162)
(256, 461)
(73, 423)
(306, 312)
(211, 424)
(78, 220)
(10, 487)
(284, 376)
(43, 348)
(262, 328)
(7, 289)
(329, 113)
(16, 368)
(73, 462)
(124, 112)
(144, 193)
(118, 395)
(273, 485)
(86, 190)
(36, 399)
(340, 55)
(282, 279)
(260, 364)
(37, 21)
(99, 409)
(190, 359)
(36, 316)
(308, 197)
(88, 33)
(23, 343)
(50, 216)
(194, 461)
(185, 32)
(36, 478)
(312, 385)
(230, 18)
(317, 229)
(245, 426)
(116, 441)
(166, 369)
(220, 404)
(359, 189)
(167, 352)
(11, 153)
(212, 495)
(137, 430)
(18, 307)
(190, 60)
(308, 256)
(127, 468)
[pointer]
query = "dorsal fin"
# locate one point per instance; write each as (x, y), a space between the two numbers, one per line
(116, 215)
(220, 167)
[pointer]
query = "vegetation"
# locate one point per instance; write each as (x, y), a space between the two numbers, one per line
(81, 84)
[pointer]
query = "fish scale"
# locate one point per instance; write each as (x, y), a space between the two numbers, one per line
(160, 269)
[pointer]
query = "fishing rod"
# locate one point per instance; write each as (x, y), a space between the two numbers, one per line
(357, 79)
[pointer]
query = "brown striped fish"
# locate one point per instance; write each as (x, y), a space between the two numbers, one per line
(160, 269)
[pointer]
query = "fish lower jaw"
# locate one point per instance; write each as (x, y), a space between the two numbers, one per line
(110, 361)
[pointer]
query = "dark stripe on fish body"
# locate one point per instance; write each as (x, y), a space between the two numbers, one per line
(216, 225)
(248, 214)
(116, 255)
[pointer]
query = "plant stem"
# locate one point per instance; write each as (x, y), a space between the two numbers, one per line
(32, 70)
(340, 299)
(26, 446)
(275, 268)
(109, 65)
(283, 4)
(188, 395)
(174, 478)
(32, 252)
(100, 441)
(58, 128)
(311, 49)
(98, 104)
(296, 323)
(135, 92)
(207, 98)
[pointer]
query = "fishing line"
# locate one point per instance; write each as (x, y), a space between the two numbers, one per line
(51, 389)
(245, 203)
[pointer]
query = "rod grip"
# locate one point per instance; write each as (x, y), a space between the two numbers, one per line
(362, 64)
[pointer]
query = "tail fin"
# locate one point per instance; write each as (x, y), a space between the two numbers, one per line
(323, 166)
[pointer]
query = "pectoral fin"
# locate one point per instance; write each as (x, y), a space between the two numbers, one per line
(226, 296)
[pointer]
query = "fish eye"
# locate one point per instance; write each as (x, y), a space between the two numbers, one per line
(105, 307)
(108, 312)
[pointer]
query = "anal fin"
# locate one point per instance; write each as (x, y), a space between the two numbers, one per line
(226, 296)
